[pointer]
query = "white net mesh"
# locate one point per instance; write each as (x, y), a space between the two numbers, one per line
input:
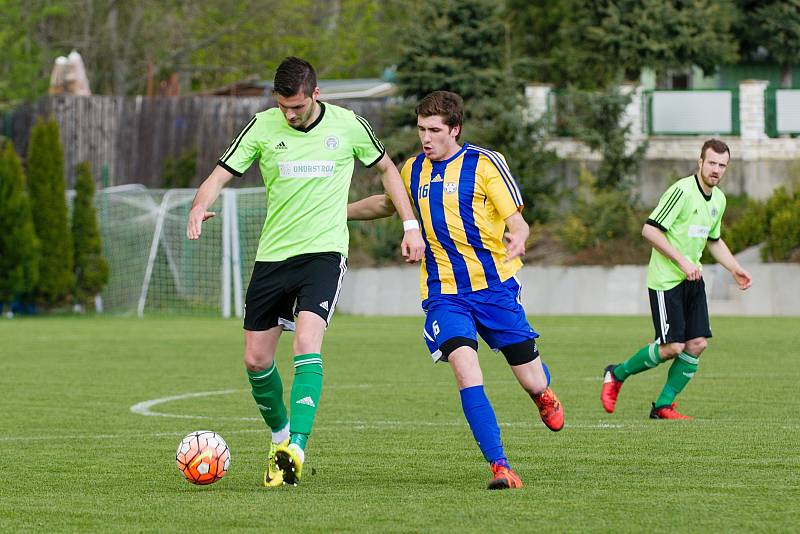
(251, 210)
(155, 268)
(126, 217)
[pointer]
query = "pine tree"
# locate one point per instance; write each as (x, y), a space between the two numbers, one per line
(48, 200)
(462, 47)
(19, 248)
(91, 268)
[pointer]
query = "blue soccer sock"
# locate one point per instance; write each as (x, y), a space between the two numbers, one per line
(483, 423)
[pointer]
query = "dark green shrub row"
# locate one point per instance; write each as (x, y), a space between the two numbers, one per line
(44, 258)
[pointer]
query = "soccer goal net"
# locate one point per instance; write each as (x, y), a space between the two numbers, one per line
(156, 268)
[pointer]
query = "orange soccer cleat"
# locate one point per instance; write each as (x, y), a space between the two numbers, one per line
(550, 409)
(667, 412)
(503, 478)
(610, 391)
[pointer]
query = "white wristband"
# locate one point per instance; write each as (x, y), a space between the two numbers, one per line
(410, 224)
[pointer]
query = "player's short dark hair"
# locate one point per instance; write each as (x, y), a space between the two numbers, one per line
(448, 105)
(716, 145)
(293, 76)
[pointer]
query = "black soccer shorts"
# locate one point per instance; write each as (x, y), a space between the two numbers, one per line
(681, 313)
(279, 290)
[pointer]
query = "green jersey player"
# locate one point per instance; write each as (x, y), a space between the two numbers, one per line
(687, 218)
(305, 150)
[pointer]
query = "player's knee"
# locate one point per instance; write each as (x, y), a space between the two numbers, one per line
(255, 361)
(695, 347)
(307, 342)
(454, 343)
(520, 353)
(669, 351)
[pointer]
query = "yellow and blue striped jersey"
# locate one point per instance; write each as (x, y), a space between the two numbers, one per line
(463, 203)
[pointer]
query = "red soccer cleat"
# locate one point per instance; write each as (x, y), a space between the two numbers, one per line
(550, 409)
(610, 391)
(667, 412)
(503, 478)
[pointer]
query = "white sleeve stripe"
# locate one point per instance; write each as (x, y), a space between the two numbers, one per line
(505, 173)
(235, 143)
(375, 141)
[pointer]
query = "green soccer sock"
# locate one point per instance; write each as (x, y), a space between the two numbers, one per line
(646, 358)
(680, 372)
(267, 389)
(305, 394)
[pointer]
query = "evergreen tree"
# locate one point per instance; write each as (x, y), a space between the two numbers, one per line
(91, 268)
(596, 119)
(775, 25)
(19, 248)
(548, 42)
(662, 35)
(592, 44)
(48, 200)
(461, 47)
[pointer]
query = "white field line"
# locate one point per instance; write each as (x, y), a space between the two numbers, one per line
(145, 408)
(330, 426)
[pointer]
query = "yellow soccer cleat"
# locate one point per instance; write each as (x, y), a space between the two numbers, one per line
(289, 460)
(273, 476)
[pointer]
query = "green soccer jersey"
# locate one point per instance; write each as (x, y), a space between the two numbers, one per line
(688, 217)
(307, 176)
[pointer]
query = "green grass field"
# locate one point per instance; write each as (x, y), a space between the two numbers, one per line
(391, 450)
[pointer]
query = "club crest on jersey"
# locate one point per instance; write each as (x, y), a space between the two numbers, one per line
(331, 142)
(450, 187)
(714, 213)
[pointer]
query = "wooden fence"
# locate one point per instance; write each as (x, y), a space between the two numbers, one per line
(128, 139)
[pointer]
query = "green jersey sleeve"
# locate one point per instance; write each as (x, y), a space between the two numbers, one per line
(668, 208)
(366, 145)
(243, 150)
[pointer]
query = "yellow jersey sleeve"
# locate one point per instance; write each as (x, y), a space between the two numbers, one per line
(499, 185)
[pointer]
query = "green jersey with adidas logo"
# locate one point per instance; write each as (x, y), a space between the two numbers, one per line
(688, 217)
(306, 174)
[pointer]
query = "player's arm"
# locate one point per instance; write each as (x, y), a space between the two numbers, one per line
(367, 209)
(206, 194)
(725, 257)
(655, 236)
(517, 235)
(413, 246)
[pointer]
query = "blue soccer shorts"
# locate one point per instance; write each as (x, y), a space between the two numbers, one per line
(495, 313)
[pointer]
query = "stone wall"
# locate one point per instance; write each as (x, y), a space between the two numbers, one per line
(619, 290)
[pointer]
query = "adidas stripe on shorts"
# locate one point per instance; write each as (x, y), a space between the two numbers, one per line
(279, 290)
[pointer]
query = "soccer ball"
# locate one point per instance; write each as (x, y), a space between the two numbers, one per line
(203, 457)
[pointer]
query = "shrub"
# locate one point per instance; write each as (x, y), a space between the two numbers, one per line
(773, 222)
(599, 215)
(91, 269)
(750, 229)
(19, 248)
(48, 201)
(784, 232)
(379, 239)
(179, 172)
